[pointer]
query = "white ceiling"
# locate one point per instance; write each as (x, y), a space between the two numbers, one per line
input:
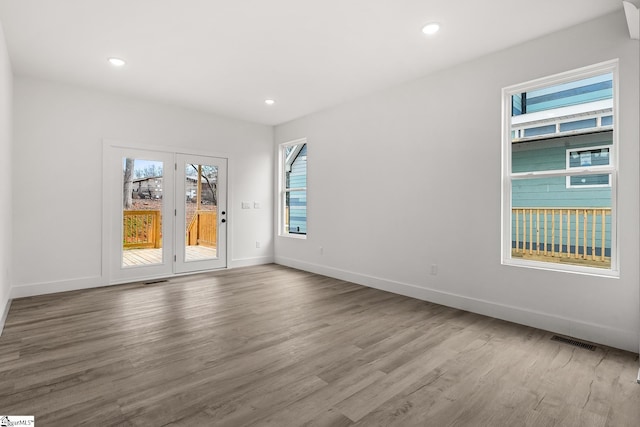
(228, 56)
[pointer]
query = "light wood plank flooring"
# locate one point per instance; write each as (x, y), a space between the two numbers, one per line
(272, 346)
(137, 257)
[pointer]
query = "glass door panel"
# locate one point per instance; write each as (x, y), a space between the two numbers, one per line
(201, 203)
(142, 203)
(201, 220)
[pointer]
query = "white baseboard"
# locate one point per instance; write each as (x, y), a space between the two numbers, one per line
(4, 314)
(29, 290)
(21, 291)
(618, 338)
(249, 262)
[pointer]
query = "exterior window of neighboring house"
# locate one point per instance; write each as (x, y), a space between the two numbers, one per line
(293, 189)
(592, 156)
(560, 172)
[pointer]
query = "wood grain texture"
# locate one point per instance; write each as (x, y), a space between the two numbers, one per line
(273, 346)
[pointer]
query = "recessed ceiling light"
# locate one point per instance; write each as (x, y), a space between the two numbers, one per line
(431, 28)
(269, 101)
(117, 62)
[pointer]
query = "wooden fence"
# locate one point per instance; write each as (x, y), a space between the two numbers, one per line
(562, 234)
(141, 229)
(202, 229)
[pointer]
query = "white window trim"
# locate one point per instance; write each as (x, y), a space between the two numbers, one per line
(282, 191)
(507, 176)
(591, 168)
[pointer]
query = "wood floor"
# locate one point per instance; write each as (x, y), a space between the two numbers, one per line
(272, 346)
(137, 257)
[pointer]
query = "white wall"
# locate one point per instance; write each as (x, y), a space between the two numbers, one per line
(6, 87)
(59, 132)
(395, 177)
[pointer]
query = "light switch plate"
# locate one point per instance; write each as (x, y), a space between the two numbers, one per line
(246, 205)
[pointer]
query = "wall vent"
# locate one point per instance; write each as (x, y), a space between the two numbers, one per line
(153, 282)
(573, 342)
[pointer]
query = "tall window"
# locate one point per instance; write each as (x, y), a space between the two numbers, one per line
(293, 188)
(560, 172)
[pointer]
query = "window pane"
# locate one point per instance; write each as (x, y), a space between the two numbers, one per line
(594, 157)
(578, 124)
(201, 212)
(552, 225)
(576, 181)
(296, 166)
(296, 212)
(543, 135)
(540, 130)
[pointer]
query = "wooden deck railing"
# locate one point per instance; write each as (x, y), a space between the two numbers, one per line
(202, 229)
(562, 234)
(141, 229)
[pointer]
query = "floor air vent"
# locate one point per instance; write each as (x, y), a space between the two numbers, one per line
(574, 342)
(153, 282)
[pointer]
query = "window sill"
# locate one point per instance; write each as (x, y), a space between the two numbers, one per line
(294, 236)
(563, 268)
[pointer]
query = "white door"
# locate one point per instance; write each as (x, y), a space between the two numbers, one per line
(141, 215)
(201, 216)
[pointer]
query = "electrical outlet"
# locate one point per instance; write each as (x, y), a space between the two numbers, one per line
(246, 205)
(434, 269)
(256, 205)
(321, 249)
(257, 245)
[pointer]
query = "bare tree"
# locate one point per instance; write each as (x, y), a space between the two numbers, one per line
(128, 184)
(150, 171)
(206, 172)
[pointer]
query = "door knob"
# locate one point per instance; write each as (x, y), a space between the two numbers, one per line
(223, 220)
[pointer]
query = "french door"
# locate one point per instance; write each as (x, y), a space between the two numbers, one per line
(201, 214)
(167, 213)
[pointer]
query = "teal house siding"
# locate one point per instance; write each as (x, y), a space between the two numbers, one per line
(297, 178)
(550, 193)
(578, 92)
(551, 154)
